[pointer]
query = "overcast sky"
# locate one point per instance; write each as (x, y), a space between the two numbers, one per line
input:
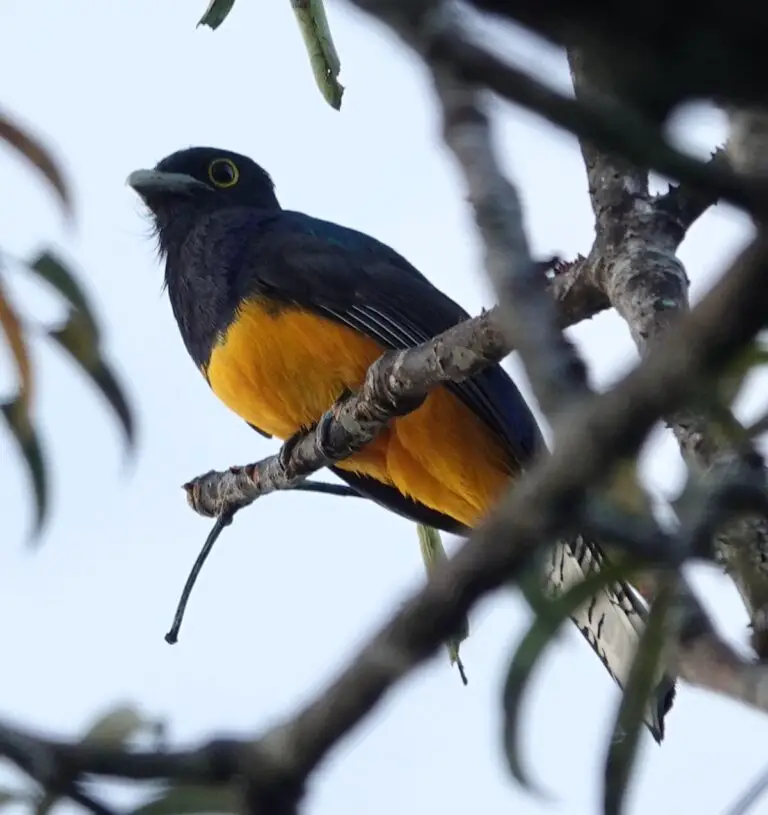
(298, 583)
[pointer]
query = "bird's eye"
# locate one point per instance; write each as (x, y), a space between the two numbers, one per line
(223, 172)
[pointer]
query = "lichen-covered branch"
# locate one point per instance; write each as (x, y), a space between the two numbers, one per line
(637, 237)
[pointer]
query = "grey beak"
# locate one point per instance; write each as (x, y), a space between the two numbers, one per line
(156, 181)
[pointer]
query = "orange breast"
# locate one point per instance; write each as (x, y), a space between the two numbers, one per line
(281, 370)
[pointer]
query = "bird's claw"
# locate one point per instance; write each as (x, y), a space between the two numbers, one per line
(286, 451)
(322, 435)
(321, 431)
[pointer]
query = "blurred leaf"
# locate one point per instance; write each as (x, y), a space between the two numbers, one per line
(180, 800)
(323, 56)
(758, 427)
(731, 378)
(116, 727)
(21, 428)
(50, 269)
(549, 619)
(624, 489)
(33, 151)
(8, 797)
(716, 395)
(432, 553)
(11, 327)
(216, 13)
(641, 682)
(77, 338)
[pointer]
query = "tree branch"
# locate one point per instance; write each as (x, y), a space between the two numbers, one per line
(637, 237)
(393, 386)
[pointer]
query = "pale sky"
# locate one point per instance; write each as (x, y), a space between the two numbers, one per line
(299, 582)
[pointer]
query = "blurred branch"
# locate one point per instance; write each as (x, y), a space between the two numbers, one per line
(547, 501)
(722, 59)
(554, 367)
(605, 122)
(637, 236)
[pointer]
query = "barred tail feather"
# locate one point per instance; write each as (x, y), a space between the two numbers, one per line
(612, 622)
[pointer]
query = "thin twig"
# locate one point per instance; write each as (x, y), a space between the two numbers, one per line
(223, 521)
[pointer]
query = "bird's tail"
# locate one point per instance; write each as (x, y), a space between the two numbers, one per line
(612, 622)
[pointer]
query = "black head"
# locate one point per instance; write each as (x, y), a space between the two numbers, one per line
(198, 181)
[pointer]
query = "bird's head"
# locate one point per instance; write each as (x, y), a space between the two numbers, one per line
(197, 181)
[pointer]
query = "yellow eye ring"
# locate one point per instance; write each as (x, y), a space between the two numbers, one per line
(223, 173)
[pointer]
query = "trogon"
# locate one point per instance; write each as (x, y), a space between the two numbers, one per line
(283, 313)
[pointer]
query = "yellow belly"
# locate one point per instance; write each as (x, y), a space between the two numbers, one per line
(281, 370)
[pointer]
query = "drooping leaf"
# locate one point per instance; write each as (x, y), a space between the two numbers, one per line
(549, 619)
(731, 379)
(625, 491)
(53, 271)
(323, 56)
(758, 427)
(432, 553)
(116, 727)
(191, 799)
(34, 152)
(11, 327)
(22, 429)
(77, 338)
(641, 682)
(216, 13)
(716, 396)
(8, 797)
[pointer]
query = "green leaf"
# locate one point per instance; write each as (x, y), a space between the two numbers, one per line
(731, 378)
(323, 56)
(641, 682)
(623, 489)
(116, 727)
(432, 553)
(8, 797)
(548, 621)
(188, 799)
(23, 431)
(216, 13)
(758, 427)
(77, 338)
(34, 152)
(10, 325)
(50, 269)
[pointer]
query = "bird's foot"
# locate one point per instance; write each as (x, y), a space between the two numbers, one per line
(287, 450)
(320, 430)
(324, 443)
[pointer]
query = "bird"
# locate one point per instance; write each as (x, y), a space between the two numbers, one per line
(283, 313)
